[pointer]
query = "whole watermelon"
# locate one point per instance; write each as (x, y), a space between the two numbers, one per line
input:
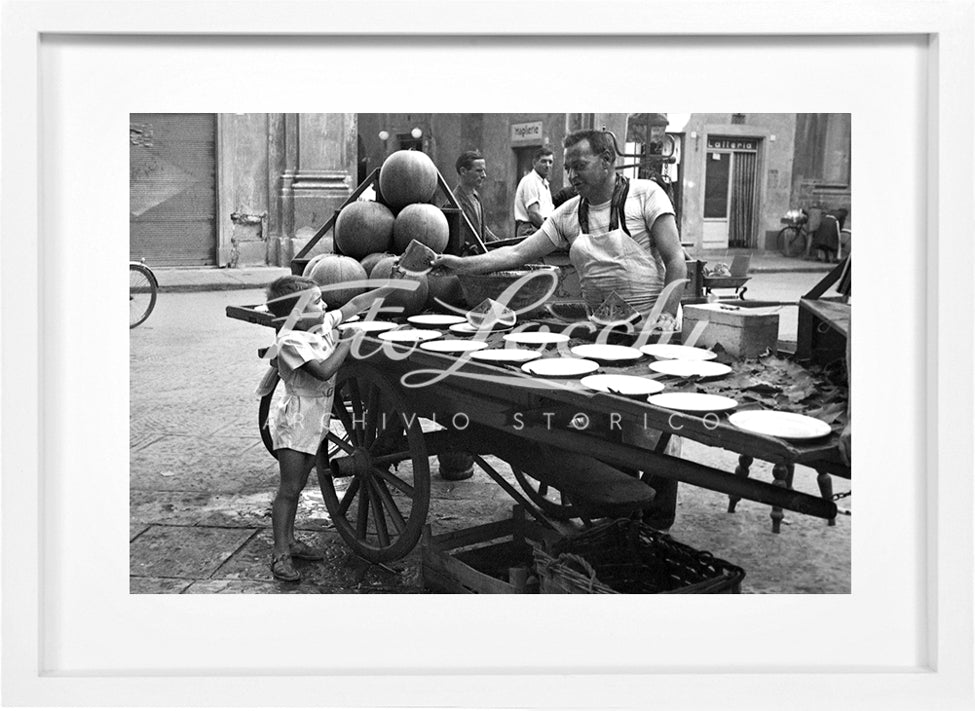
(413, 302)
(311, 264)
(407, 177)
(424, 223)
(331, 272)
(371, 260)
(363, 228)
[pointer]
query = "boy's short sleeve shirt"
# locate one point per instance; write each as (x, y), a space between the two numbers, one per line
(295, 348)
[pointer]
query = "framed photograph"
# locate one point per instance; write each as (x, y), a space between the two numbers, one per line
(75, 74)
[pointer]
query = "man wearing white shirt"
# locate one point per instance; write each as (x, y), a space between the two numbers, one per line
(533, 198)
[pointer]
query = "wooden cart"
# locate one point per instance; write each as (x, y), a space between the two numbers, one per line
(398, 405)
(373, 467)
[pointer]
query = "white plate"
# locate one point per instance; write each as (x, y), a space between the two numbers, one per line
(536, 338)
(668, 351)
(409, 335)
(435, 320)
(466, 329)
(690, 368)
(787, 425)
(560, 367)
(506, 355)
(628, 385)
(693, 402)
(452, 346)
(369, 326)
(606, 352)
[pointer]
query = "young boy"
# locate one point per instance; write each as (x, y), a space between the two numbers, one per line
(308, 356)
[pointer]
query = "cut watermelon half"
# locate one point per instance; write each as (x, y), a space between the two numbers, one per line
(417, 258)
(614, 311)
(490, 314)
(570, 311)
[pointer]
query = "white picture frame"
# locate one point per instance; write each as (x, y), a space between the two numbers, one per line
(39, 605)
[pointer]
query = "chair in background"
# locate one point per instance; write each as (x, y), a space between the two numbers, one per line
(737, 279)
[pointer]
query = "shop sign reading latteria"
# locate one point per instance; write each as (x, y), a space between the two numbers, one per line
(719, 143)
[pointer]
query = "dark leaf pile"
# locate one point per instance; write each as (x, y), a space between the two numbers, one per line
(771, 382)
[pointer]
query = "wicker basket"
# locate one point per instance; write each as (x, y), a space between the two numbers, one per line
(478, 287)
(625, 556)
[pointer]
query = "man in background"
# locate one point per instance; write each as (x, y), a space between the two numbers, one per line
(533, 198)
(472, 170)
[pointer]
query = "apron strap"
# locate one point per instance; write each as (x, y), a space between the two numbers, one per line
(617, 214)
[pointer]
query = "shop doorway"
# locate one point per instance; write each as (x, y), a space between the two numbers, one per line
(730, 193)
(523, 159)
(172, 189)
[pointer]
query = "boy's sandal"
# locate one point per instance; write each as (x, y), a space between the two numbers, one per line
(303, 551)
(283, 569)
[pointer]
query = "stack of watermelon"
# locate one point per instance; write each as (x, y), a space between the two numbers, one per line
(371, 236)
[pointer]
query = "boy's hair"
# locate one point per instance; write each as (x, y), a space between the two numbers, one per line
(277, 304)
(466, 160)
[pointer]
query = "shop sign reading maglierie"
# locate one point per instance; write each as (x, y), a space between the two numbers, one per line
(526, 134)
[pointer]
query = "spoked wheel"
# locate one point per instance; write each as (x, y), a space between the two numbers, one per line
(377, 494)
(550, 500)
(338, 438)
(792, 241)
(142, 293)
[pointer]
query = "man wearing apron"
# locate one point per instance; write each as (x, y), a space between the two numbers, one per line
(622, 236)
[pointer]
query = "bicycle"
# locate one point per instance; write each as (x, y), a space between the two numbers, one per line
(142, 293)
(793, 237)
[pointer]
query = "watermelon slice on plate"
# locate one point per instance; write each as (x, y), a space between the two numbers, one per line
(614, 311)
(490, 315)
(417, 258)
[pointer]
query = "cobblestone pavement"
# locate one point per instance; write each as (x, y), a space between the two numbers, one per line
(202, 482)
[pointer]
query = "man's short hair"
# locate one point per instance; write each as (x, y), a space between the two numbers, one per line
(277, 304)
(466, 160)
(599, 141)
(540, 152)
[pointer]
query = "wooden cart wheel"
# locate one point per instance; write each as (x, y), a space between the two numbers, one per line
(550, 500)
(377, 494)
(338, 438)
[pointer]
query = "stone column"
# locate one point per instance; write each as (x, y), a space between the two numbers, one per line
(326, 171)
(243, 189)
(283, 148)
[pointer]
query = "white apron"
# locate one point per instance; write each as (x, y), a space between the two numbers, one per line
(613, 261)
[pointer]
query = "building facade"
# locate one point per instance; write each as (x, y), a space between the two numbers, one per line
(233, 190)
(740, 174)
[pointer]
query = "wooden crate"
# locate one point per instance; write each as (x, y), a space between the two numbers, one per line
(494, 558)
(824, 326)
(742, 331)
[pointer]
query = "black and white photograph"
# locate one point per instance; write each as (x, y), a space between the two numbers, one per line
(490, 353)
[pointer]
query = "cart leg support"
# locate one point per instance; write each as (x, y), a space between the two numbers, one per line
(622, 455)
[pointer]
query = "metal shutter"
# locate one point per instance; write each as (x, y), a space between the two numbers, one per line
(741, 231)
(172, 189)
